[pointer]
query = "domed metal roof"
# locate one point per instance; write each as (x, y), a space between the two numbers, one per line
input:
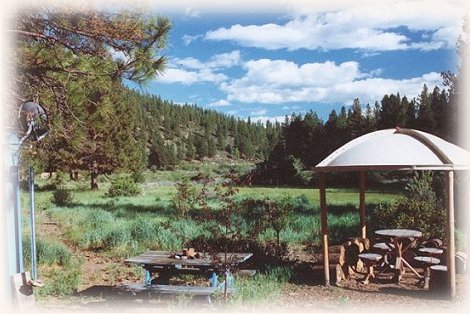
(396, 149)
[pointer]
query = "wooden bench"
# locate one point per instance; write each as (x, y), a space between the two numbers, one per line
(175, 290)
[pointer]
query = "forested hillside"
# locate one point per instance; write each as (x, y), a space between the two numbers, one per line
(176, 133)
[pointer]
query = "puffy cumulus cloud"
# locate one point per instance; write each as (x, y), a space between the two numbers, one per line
(225, 60)
(191, 70)
(190, 77)
(219, 61)
(282, 73)
(280, 81)
(370, 27)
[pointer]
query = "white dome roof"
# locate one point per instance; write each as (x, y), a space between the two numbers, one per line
(396, 149)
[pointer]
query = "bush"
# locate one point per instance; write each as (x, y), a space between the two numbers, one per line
(185, 197)
(62, 196)
(421, 209)
(138, 177)
(123, 186)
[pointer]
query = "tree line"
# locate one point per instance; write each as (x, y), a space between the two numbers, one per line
(306, 139)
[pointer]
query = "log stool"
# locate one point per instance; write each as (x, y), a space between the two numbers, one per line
(426, 262)
(369, 260)
(439, 282)
(431, 251)
(384, 249)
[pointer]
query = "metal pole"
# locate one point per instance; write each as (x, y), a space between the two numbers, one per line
(324, 227)
(34, 274)
(450, 232)
(362, 204)
(19, 266)
(13, 252)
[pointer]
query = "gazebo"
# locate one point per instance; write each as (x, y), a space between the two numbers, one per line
(395, 149)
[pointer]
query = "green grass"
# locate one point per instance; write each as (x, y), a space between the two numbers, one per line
(262, 288)
(125, 226)
(150, 221)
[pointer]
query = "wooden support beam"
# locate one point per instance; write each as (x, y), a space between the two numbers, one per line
(450, 232)
(362, 204)
(324, 227)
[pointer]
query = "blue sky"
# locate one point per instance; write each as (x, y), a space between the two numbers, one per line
(267, 63)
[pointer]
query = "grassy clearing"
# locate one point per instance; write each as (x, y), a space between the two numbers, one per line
(125, 226)
(94, 221)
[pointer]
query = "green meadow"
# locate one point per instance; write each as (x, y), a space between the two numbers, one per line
(119, 227)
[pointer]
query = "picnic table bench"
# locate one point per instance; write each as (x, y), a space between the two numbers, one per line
(166, 264)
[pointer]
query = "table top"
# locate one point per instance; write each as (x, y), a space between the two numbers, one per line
(167, 258)
(399, 233)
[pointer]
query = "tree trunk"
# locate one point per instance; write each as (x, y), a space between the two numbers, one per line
(94, 176)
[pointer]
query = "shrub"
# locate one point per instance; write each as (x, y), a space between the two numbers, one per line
(421, 209)
(62, 196)
(138, 177)
(123, 186)
(185, 197)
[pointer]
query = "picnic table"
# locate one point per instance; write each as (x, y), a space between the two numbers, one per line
(166, 264)
(400, 240)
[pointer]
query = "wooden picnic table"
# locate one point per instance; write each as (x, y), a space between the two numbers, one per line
(167, 258)
(402, 240)
(166, 264)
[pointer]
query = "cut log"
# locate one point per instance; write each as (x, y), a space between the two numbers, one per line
(439, 281)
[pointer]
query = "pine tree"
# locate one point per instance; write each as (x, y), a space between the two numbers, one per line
(425, 120)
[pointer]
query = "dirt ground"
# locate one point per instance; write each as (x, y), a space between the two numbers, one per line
(101, 276)
(98, 293)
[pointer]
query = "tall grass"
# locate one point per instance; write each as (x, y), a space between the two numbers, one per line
(60, 281)
(150, 221)
(262, 288)
(48, 252)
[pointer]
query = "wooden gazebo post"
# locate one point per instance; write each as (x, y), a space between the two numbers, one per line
(324, 227)
(362, 204)
(450, 232)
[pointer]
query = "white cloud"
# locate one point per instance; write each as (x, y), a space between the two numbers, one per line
(187, 39)
(219, 103)
(369, 27)
(225, 60)
(280, 81)
(219, 61)
(258, 112)
(191, 70)
(264, 119)
(190, 12)
(191, 77)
